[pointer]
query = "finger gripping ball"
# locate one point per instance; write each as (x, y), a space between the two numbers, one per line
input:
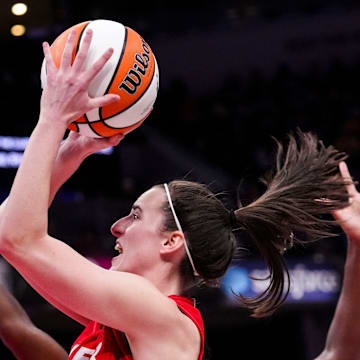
(132, 73)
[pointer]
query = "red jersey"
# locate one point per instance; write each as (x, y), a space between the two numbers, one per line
(99, 342)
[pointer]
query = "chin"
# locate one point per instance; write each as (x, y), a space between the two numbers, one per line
(116, 263)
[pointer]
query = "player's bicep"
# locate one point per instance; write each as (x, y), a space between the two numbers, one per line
(61, 307)
(120, 300)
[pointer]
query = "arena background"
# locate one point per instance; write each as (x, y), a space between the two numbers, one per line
(232, 75)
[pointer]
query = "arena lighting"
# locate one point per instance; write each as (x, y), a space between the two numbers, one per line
(12, 149)
(310, 282)
(19, 9)
(18, 30)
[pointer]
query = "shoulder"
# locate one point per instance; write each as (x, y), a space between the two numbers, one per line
(187, 306)
(195, 325)
(184, 333)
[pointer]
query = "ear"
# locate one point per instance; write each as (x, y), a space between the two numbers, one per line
(173, 242)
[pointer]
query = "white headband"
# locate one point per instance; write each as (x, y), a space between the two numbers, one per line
(180, 229)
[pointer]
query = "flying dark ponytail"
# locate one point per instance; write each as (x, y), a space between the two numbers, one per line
(305, 186)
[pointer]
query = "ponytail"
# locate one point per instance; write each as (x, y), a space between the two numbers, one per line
(305, 186)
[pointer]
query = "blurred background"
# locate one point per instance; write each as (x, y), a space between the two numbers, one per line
(232, 76)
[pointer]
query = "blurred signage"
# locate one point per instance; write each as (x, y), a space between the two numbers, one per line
(12, 150)
(309, 281)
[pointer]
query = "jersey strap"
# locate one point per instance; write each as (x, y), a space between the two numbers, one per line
(187, 306)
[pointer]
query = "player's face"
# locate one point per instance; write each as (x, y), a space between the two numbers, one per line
(138, 235)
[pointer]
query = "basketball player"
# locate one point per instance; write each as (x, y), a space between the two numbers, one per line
(176, 235)
(27, 342)
(21, 336)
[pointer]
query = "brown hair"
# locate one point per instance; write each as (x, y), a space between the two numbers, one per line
(305, 186)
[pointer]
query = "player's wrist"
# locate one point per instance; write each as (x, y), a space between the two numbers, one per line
(51, 124)
(71, 154)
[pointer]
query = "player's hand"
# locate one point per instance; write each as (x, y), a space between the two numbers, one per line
(65, 96)
(349, 217)
(76, 145)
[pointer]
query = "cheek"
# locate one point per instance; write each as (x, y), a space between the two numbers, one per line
(144, 243)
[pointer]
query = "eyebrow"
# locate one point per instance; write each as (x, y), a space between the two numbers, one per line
(136, 207)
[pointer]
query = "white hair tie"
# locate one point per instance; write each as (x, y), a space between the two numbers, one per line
(180, 228)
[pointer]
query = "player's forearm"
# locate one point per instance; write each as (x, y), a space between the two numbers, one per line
(67, 162)
(25, 214)
(344, 334)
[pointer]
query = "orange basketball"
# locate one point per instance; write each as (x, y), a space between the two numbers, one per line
(132, 73)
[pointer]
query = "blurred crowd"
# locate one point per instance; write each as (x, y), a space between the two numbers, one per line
(232, 126)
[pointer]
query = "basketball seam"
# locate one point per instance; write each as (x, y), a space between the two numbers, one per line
(109, 126)
(85, 116)
(90, 126)
(77, 50)
(115, 70)
(80, 37)
(150, 82)
(78, 44)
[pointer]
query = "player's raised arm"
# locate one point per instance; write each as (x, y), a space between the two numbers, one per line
(60, 105)
(344, 333)
(72, 152)
(47, 164)
(114, 298)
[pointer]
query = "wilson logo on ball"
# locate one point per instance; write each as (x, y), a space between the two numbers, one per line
(134, 76)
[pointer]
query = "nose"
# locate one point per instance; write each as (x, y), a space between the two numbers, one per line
(119, 227)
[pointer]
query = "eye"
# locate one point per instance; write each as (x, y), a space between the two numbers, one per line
(135, 216)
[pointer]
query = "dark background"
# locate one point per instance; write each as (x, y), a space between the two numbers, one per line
(232, 75)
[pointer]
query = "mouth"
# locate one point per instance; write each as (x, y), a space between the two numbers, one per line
(118, 248)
